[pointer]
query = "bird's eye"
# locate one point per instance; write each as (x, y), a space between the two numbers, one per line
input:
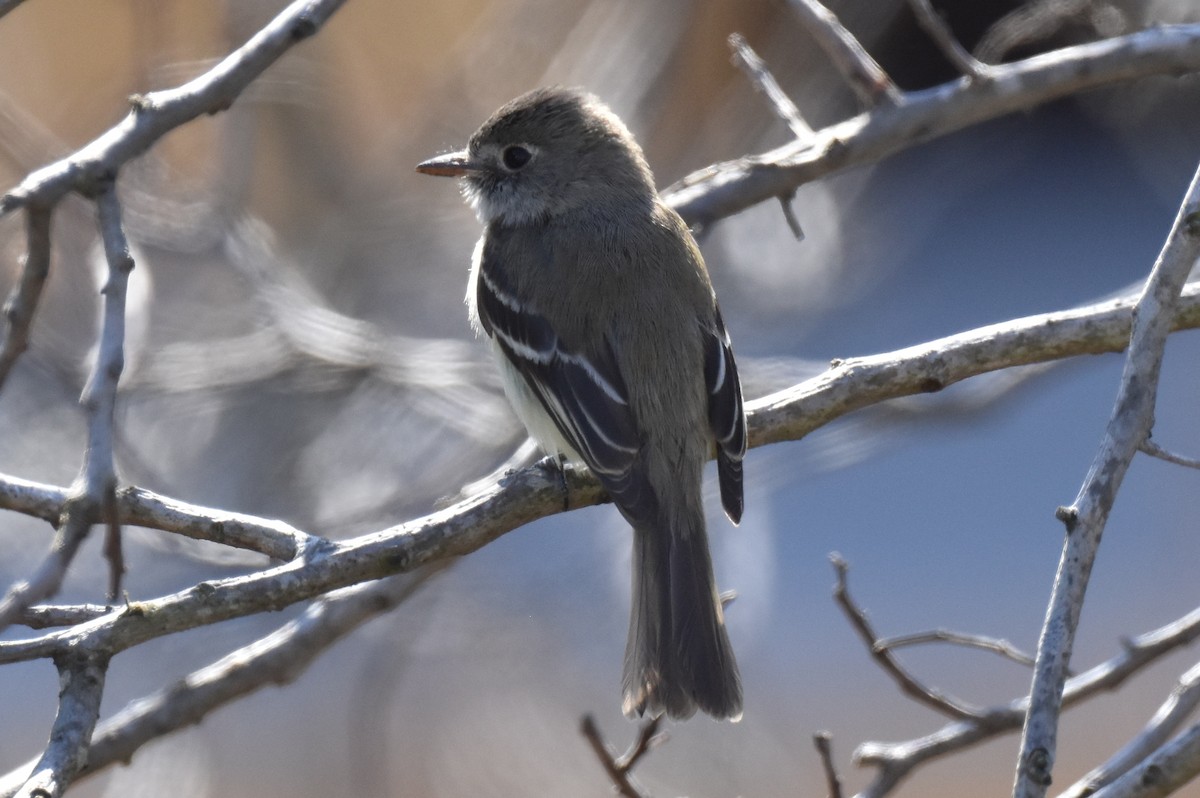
(515, 157)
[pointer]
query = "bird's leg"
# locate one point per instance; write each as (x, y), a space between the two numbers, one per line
(557, 464)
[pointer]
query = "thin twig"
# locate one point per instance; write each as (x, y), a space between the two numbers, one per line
(724, 189)
(93, 495)
(155, 114)
(895, 761)
(855, 383)
(762, 80)
(1151, 448)
(22, 302)
(648, 737)
(1170, 716)
(789, 216)
(868, 80)
(909, 684)
(996, 645)
(100, 393)
(619, 775)
(933, 24)
(46, 579)
(823, 741)
(1042, 20)
(1128, 427)
(140, 507)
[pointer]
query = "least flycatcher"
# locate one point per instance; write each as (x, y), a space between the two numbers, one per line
(602, 317)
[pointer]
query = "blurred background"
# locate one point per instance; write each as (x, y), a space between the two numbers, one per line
(298, 348)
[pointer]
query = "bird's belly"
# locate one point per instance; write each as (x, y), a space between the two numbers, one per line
(528, 407)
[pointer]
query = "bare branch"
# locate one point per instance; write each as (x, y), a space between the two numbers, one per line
(855, 383)
(517, 498)
(100, 394)
(1162, 773)
(276, 659)
(93, 494)
(933, 24)
(996, 645)
(909, 684)
(762, 80)
(139, 507)
(529, 494)
(618, 768)
(514, 501)
(523, 496)
(54, 615)
(45, 581)
(22, 302)
(861, 71)
(727, 188)
(647, 738)
(824, 744)
(1170, 716)
(1129, 425)
(276, 539)
(895, 761)
(1039, 20)
(155, 114)
(381, 553)
(525, 455)
(82, 685)
(1151, 448)
(789, 216)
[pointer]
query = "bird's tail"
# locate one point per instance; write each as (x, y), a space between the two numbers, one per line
(678, 657)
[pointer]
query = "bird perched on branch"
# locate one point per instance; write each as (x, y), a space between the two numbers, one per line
(614, 355)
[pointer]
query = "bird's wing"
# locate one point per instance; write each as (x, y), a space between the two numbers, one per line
(726, 415)
(583, 393)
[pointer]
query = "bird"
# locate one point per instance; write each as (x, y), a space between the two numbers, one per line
(601, 315)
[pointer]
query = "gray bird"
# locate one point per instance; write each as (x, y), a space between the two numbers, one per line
(601, 315)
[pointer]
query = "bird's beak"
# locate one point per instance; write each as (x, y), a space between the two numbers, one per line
(452, 164)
